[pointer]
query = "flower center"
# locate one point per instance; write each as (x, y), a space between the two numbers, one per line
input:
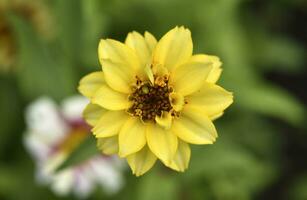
(150, 101)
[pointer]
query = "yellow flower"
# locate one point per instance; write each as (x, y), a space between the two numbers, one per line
(153, 99)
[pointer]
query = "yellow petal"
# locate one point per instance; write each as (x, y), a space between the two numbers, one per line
(131, 137)
(177, 101)
(194, 127)
(216, 71)
(117, 52)
(92, 113)
(163, 143)
(110, 99)
(141, 161)
(174, 48)
(90, 83)
(211, 98)
(182, 157)
(139, 44)
(150, 41)
(214, 75)
(109, 145)
(189, 77)
(165, 120)
(214, 117)
(110, 123)
(119, 76)
(149, 74)
(159, 70)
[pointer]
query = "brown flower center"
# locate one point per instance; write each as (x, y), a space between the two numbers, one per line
(150, 100)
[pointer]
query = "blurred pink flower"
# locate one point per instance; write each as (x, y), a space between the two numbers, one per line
(52, 133)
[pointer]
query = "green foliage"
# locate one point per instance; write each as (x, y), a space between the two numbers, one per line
(272, 101)
(298, 189)
(38, 73)
(154, 186)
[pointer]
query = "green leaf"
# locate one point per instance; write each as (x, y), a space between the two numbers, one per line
(69, 26)
(157, 186)
(38, 72)
(298, 188)
(11, 112)
(280, 54)
(228, 169)
(84, 151)
(95, 23)
(273, 101)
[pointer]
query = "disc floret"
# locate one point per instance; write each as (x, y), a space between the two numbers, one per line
(150, 100)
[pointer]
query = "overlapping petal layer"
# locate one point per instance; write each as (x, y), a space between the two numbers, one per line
(216, 71)
(189, 77)
(210, 99)
(142, 161)
(174, 48)
(108, 145)
(132, 137)
(110, 124)
(110, 99)
(143, 46)
(92, 113)
(181, 158)
(163, 143)
(194, 127)
(90, 83)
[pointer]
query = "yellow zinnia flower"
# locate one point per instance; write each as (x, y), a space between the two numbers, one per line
(153, 99)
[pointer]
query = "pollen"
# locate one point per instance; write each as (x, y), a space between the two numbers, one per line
(150, 100)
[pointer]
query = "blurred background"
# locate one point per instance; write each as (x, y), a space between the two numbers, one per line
(46, 46)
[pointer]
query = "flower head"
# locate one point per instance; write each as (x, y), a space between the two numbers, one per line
(53, 132)
(153, 99)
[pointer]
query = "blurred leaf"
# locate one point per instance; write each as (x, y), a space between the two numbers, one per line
(95, 25)
(240, 128)
(225, 35)
(154, 186)
(20, 176)
(11, 112)
(84, 151)
(38, 73)
(272, 101)
(8, 181)
(229, 169)
(69, 26)
(298, 189)
(278, 53)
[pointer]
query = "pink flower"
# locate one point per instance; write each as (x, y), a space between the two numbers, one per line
(52, 133)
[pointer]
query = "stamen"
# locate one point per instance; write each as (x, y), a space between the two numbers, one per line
(145, 89)
(150, 100)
